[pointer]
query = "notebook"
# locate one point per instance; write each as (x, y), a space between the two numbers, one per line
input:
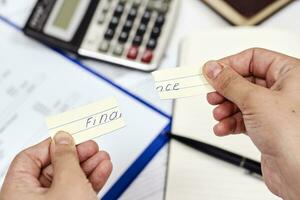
(246, 12)
(194, 175)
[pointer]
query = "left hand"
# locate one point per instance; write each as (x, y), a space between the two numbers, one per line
(57, 170)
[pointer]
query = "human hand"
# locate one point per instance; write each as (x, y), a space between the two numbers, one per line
(258, 93)
(55, 170)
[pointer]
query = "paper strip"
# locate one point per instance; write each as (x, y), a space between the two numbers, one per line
(89, 121)
(180, 82)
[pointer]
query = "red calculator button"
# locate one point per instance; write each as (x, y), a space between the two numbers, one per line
(147, 56)
(132, 53)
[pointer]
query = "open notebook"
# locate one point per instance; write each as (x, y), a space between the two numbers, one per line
(194, 175)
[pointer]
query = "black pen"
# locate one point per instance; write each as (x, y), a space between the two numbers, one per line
(237, 160)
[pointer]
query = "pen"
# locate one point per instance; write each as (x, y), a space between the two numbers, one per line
(232, 158)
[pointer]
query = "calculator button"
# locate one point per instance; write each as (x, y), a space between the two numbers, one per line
(109, 34)
(147, 56)
(128, 25)
(118, 50)
(142, 29)
(146, 16)
(132, 13)
(104, 46)
(113, 22)
(133, 52)
(123, 36)
(151, 44)
(137, 40)
(155, 32)
(119, 10)
(160, 20)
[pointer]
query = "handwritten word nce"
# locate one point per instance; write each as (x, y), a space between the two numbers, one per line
(102, 118)
(168, 87)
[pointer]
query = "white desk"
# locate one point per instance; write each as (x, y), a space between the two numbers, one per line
(193, 13)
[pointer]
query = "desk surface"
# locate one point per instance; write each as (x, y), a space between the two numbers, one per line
(193, 14)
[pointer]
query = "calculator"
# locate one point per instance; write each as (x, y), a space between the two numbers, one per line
(130, 33)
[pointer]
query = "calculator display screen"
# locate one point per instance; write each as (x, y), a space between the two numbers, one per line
(65, 14)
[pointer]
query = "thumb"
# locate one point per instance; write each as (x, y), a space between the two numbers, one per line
(228, 82)
(64, 160)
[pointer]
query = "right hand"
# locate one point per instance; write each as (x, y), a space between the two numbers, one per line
(258, 93)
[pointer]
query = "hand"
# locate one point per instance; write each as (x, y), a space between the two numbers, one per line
(55, 170)
(258, 93)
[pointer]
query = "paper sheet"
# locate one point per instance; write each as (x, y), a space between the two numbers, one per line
(89, 121)
(31, 89)
(180, 82)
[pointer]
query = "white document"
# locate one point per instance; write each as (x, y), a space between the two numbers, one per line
(192, 174)
(36, 82)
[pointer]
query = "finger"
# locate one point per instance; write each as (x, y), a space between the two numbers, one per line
(84, 150)
(224, 110)
(65, 161)
(214, 98)
(229, 83)
(45, 182)
(46, 176)
(230, 125)
(261, 63)
(90, 165)
(100, 175)
(260, 82)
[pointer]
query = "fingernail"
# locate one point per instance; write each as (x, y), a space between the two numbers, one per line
(212, 69)
(63, 138)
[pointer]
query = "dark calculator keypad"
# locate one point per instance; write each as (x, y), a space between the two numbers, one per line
(146, 17)
(134, 29)
(155, 32)
(142, 29)
(123, 37)
(132, 13)
(114, 22)
(119, 10)
(137, 40)
(151, 44)
(160, 20)
(109, 34)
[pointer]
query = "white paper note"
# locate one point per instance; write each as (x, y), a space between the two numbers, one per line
(89, 121)
(180, 82)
